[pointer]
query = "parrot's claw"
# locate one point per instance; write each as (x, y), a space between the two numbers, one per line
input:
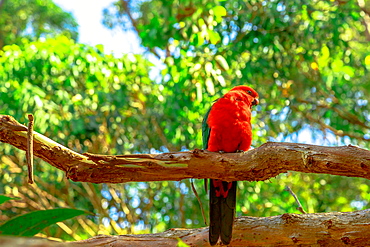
(240, 151)
(221, 152)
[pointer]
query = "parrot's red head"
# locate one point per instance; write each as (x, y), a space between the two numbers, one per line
(249, 94)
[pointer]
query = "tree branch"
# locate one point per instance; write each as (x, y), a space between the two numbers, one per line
(350, 117)
(264, 162)
(300, 208)
(325, 126)
(321, 229)
(126, 7)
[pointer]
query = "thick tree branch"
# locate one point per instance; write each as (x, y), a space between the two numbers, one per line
(322, 229)
(264, 162)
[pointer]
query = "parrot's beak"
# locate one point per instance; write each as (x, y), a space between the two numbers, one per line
(255, 101)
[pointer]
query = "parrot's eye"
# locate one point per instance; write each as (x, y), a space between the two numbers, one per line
(249, 92)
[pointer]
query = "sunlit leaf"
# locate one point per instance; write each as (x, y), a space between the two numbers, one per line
(367, 60)
(4, 198)
(214, 37)
(222, 62)
(30, 224)
(219, 11)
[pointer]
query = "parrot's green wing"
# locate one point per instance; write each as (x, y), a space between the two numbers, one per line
(206, 130)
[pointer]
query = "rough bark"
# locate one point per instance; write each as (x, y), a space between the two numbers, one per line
(322, 229)
(258, 164)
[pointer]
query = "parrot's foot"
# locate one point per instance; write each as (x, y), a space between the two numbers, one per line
(240, 151)
(221, 152)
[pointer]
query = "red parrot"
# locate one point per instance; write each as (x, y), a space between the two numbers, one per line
(227, 128)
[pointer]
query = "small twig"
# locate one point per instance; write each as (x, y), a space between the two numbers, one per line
(300, 208)
(206, 185)
(200, 203)
(29, 152)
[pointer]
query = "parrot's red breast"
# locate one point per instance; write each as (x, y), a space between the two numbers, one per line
(229, 120)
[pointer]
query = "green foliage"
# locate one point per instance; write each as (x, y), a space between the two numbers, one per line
(306, 59)
(79, 89)
(6, 198)
(29, 224)
(31, 19)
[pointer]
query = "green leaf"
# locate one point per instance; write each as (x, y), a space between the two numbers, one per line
(29, 224)
(214, 37)
(219, 11)
(7, 198)
(100, 48)
(348, 70)
(367, 60)
(222, 62)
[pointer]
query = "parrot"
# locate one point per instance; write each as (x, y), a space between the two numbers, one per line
(226, 128)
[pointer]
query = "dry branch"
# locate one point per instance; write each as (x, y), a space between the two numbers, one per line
(262, 163)
(29, 151)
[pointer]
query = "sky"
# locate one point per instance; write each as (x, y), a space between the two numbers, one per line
(89, 16)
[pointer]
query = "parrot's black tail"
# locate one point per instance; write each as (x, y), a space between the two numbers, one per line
(221, 210)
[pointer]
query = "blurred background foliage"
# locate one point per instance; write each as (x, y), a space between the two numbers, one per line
(309, 61)
(31, 19)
